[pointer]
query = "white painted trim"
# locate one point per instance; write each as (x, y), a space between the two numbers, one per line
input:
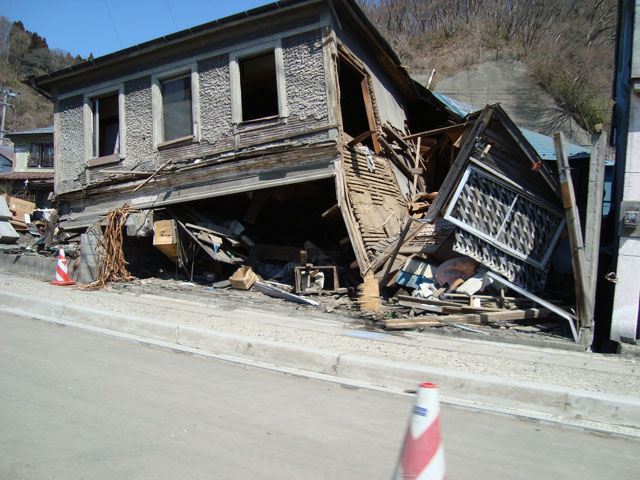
(183, 63)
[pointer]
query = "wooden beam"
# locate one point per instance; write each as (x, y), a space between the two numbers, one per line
(476, 318)
(594, 212)
(414, 190)
(458, 167)
(583, 300)
(368, 106)
(437, 131)
(154, 174)
(334, 208)
(360, 138)
(399, 162)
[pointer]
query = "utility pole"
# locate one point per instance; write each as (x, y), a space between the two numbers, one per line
(6, 94)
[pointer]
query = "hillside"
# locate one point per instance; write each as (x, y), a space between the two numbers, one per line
(566, 45)
(22, 54)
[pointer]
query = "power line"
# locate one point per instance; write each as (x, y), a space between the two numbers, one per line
(113, 23)
(175, 25)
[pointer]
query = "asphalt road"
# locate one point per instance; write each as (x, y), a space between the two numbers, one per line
(77, 405)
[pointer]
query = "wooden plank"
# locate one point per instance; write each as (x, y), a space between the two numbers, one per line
(390, 132)
(459, 165)
(430, 301)
(332, 209)
(153, 175)
(474, 318)
(397, 160)
(219, 256)
(360, 138)
(371, 118)
(437, 131)
(594, 212)
(583, 301)
(414, 190)
(218, 231)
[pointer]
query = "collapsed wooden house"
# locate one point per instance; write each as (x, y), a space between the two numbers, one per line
(242, 114)
(297, 122)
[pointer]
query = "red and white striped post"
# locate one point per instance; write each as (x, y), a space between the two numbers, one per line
(62, 276)
(422, 456)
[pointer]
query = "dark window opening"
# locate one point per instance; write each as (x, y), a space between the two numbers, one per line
(352, 104)
(40, 155)
(176, 108)
(106, 126)
(259, 86)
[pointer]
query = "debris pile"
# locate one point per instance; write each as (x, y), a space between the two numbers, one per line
(455, 226)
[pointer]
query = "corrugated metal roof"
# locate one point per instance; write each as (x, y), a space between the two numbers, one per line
(7, 152)
(35, 131)
(543, 144)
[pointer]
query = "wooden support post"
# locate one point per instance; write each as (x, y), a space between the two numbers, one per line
(594, 212)
(415, 175)
(583, 300)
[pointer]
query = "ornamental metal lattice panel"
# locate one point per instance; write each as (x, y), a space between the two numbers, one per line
(505, 218)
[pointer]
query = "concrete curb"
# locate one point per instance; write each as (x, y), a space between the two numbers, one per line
(561, 402)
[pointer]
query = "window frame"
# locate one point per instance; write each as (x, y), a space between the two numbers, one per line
(235, 57)
(190, 70)
(41, 147)
(89, 125)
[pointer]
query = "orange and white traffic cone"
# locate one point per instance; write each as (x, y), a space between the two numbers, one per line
(62, 276)
(422, 456)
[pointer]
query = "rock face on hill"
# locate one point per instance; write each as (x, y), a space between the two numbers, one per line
(510, 83)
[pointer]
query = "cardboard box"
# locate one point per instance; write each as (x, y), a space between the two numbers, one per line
(243, 278)
(21, 206)
(165, 237)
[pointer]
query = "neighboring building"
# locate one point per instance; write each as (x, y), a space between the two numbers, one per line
(6, 159)
(31, 177)
(626, 204)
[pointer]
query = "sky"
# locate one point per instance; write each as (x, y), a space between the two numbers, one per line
(81, 27)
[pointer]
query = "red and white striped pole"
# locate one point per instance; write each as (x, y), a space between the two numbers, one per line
(62, 276)
(422, 456)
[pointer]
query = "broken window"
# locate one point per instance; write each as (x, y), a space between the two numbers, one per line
(40, 155)
(259, 86)
(177, 118)
(355, 101)
(106, 125)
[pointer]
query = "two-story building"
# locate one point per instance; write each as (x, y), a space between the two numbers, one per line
(245, 117)
(32, 173)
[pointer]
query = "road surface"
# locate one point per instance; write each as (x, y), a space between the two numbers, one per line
(78, 405)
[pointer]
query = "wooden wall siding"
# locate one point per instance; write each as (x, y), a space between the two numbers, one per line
(374, 198)
(293, 129)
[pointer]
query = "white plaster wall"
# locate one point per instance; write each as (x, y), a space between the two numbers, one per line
(624, 321)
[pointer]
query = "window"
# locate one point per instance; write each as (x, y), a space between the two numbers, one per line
(106, 126)
(258, 90)
(259, 86)
(177, 117)
(355, 102)
(40, 155)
